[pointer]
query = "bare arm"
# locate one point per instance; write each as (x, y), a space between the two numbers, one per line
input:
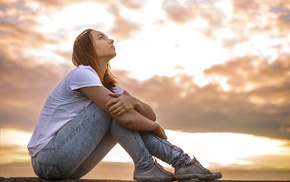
(124, 102)
(143, 108)
(130, 119)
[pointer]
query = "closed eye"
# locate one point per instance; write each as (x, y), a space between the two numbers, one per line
(102, 36)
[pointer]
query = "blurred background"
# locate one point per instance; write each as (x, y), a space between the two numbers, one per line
(216, 72)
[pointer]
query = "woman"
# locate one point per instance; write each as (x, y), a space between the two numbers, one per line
(88, 113)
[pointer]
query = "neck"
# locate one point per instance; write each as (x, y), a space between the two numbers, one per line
(103, 66)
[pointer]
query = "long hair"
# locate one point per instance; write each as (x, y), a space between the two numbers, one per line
(84, 54)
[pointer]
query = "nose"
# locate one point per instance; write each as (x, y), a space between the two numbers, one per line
(111, 41)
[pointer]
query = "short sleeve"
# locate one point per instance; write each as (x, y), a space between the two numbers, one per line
(84, 76)
(118, 89)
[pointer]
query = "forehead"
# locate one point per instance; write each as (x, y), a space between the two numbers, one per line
(96, 33)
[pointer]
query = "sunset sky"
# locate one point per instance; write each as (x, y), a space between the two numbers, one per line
(216, 72)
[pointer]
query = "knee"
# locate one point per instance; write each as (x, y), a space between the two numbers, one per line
(100, 112)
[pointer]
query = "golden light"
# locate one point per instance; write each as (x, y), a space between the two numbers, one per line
(226, 149)
(13, 146)
(217, 149)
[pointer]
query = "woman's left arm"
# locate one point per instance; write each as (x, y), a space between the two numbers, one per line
(124, 102)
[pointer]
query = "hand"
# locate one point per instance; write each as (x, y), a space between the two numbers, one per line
(160, 132)
(120, 103)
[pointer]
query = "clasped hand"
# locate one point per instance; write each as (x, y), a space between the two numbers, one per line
(120, 103)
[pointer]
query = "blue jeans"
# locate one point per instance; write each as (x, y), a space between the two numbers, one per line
(84, 141)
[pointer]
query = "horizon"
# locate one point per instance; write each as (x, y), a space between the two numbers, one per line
(236, 151)
(124, 171)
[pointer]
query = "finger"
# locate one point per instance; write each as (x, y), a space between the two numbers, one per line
(114, 112)
(112, 101)
(121, 112)
(118, 109)
(117, 112)
(114, 95)
(114, 108)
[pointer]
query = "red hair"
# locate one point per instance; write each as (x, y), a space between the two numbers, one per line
(84, 54)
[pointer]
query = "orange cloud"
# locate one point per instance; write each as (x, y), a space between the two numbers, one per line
(236, 23)
(257, 101)
(123, 28)
(134, 5)
(261, 110)
(23, 91)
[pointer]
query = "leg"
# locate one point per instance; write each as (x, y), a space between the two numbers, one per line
(185, 167)
(100, 151)
(145, 168)
(164, 150)
(133, 145)
(67, 150)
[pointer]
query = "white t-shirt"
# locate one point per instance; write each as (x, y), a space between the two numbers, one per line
(63, 104)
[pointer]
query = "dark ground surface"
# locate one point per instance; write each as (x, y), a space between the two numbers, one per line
(20, 179)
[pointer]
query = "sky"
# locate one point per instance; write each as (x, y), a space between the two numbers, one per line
(216, 72)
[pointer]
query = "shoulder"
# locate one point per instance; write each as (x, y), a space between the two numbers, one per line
(83, 76)
(82, 68)
(83, 72)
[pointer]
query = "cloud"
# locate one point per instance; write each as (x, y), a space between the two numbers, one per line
(262, 162)
(257, 101)
(122, 27)
(256, 19)
(183, 13)
(179, 14)
(259, 16)
(24, 89)
(134, 5)
(55, 5)
(179, 103)
(24, 82)
(235, 23)
(129, 4)
(262, 109)
(20, 35)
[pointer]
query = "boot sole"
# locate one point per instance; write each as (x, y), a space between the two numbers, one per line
(207, 177)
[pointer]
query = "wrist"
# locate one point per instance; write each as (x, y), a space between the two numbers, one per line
(136, 103)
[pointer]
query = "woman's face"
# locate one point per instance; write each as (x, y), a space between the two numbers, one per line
(104, 46)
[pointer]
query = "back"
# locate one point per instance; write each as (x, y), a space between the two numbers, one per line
(63, 104)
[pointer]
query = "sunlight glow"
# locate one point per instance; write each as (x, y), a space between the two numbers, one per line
(217, 149)
(72, 14)
(46, 56)
(13, 146)
(225, 149)
(224, 84)
(162, 51)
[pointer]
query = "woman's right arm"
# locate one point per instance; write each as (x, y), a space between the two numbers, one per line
(130, 119)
